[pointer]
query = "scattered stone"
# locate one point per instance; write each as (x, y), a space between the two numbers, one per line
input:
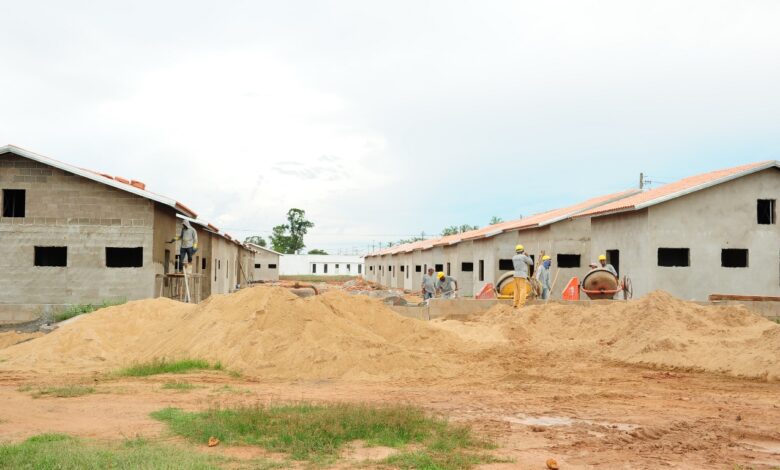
(213, 441)
(552, 464)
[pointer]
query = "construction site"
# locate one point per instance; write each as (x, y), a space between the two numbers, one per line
(611, 372)
(394, 235)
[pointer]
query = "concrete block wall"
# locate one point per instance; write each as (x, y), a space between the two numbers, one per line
(269, 266)
(66, 210)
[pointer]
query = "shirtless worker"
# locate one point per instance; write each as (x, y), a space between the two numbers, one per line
(521, 263)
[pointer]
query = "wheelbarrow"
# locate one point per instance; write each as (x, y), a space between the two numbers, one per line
(602, 284)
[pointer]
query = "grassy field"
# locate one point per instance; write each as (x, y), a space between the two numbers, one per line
(316, 278)
(164, 366)
(61, 452)
(318, 433)
(76, 310)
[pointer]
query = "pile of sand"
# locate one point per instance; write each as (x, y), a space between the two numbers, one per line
(262, 331)
(657, 330)
(9, 338)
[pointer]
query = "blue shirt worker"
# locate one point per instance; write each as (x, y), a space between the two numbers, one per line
(522, 286)
(543, 276)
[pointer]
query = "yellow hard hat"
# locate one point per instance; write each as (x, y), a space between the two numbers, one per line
(519, 248)
(440, 275)
(602, 257)
(545, 258)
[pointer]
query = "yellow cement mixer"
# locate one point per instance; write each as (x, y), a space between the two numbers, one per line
(505, 288)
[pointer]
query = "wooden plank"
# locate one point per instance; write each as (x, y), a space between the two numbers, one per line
(744, 298)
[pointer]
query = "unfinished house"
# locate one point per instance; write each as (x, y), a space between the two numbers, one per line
(480, 257)
(265, 264)
(74, 236)
(707, 234)
(711, 233)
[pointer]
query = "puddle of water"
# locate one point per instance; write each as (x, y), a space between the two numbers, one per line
(566, 421)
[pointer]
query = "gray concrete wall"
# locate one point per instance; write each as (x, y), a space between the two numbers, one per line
(264, 272)
(628, 233)
(707, 221)
(67, 210)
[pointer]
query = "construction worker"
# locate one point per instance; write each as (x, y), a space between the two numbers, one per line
(445, 286)
(522, 287)
(189, 244)
(543, 276)
(607, 266)
(428, 285)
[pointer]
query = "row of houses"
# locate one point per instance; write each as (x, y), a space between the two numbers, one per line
(711, 233)
(75, 236)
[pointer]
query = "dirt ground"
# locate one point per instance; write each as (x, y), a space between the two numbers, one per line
(538, 395)
(608, 416)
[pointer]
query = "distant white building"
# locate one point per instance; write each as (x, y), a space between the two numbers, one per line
(321, 265)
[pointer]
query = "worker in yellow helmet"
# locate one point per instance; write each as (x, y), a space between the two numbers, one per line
(607, 266)
(522, 286)
(543, 276)
(444, 286)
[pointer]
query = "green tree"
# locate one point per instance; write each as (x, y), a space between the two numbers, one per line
(317, 251)
(288, 238)
(256, 240)
(495, 220)
(451, 230)
(455, 229)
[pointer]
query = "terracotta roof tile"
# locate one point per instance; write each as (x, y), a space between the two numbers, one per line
(677, 189)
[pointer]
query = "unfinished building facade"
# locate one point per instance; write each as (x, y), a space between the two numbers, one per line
(73, 236)
(710, 233)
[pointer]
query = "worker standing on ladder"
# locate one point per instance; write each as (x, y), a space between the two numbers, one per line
(189, 244)
(522, 286)
(607, 266)
(543, 276)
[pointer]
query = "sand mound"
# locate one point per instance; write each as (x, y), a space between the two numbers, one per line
(10, 338)
(262, 331)
(657, 330)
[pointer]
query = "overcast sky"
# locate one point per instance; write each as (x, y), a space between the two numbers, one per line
(385, 119)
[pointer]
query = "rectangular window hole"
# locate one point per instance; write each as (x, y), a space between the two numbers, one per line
(482, 270)
(674, 257)
(467, 267)
(439, 268)
(417, 268)
(734, 258)
(258, 265)
(766, 211)
(271, 266)
(568, 261)
(506, 265)
(13, 202)
(124, 257)
(51, 256)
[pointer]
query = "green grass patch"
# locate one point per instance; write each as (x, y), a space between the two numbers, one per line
(164, 366)
(179, 386)
(318, 433)
(76, 310)
(62, 452)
